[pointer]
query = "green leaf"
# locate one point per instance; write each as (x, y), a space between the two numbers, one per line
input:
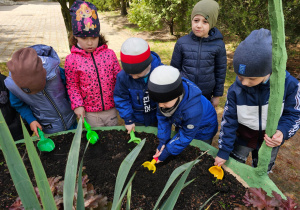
(171, 201)
(39, 172)
(124, 170)
(129, 184)
(71, 168)
(201, 207)
(16, 168)
(172, 178)
(80, 197)
(128, 197)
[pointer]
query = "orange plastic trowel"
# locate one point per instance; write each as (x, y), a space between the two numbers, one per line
(217, 171)
(150, 165)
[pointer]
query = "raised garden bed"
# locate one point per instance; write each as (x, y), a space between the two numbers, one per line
(103, 160)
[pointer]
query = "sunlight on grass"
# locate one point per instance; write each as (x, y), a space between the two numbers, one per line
(163, 49)
(3, 69)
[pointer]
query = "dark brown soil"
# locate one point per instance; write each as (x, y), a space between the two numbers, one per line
(103, 160)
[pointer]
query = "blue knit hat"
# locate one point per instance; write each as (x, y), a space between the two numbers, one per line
(253, 56)
(85, 22)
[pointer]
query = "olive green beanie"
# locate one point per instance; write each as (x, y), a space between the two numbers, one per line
(209, 9)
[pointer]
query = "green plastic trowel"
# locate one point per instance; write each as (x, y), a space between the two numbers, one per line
(44, 144)
(91, 136)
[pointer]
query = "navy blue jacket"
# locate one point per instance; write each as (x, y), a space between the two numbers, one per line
(129, 94)
(195, 117)
(245, 115)
(203, 61)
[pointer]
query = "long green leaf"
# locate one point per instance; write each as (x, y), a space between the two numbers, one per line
(172, 178)
(171, 201)
(201, 207)
(128, 197)
(80, 198)
(16, 168)
(71, 168)
(124, 192)
(124, 170)
(39, 172)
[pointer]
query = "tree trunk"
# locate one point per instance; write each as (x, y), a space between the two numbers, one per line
(123, 8)
(171, 26)
(66, 15)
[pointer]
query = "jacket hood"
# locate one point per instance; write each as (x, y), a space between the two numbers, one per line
(49, 59)
(213, 33)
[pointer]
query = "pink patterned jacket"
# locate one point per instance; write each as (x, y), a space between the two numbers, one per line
(91, 78)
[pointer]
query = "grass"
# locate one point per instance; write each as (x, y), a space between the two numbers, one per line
(3, 69)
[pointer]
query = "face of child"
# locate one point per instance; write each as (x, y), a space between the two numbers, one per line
(200, 26)
(142, 74)
(252, 81)
(168, 104)
(89, 44)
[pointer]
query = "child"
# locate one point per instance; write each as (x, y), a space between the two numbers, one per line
(91, 68)
(131, 93)
(201, 55)
(180, 104)
(37, 91)
(245, 113)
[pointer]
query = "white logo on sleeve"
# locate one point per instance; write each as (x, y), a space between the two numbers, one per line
(190, 126)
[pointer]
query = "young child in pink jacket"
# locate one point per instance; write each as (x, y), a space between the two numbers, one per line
(91, 69)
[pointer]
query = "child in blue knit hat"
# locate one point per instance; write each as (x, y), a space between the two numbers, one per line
(245, 113)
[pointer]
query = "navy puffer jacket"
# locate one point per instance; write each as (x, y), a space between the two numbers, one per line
(203, 61)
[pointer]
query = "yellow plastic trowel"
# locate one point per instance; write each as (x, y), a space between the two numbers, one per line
(150, 165)
(217, 171)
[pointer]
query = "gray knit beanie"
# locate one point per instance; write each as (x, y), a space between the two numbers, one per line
(253, 56)
(165, 84)
(209, 9)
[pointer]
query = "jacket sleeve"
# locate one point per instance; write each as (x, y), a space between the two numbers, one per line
(117, 67)
(22, 108)
(123, 101)
(73, 84)
(163, 128)
(289, 121)
(220, 71)
(176, 60)
(185, 134)
(229, 125)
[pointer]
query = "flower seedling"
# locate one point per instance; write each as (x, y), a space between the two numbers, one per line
(150, 165)
(217, 171)
(133, 138)
(91, 136)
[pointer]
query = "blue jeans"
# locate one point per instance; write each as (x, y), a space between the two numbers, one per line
(241, 153)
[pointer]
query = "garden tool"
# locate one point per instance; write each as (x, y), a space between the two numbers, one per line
(150, 165)
(91, 136)
(217, 171)
(45, 145)
(133, 138)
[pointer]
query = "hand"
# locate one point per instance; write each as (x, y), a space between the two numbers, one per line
(130, 127)
(79, 111)
(34, 125)
(157, 154)
(219, 161)
(215, 101)
(276, 139)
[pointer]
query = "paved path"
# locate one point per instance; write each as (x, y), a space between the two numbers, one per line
(33, 23)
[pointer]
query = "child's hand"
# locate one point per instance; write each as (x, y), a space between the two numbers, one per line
(34, 125)
(219, 161)
(158, 152)
(276, 139)
(130, 127)
(79, 111)
(215, 101)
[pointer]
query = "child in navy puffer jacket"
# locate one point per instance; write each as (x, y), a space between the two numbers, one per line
(201, 55)
(91, 68)
(245, 113)
(131, 93)
(181, 104)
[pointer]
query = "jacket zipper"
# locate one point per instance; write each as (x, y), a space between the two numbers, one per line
(198, 61)
(55, 107)
(98, 81)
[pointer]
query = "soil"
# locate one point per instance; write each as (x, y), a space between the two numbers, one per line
(102, 161)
